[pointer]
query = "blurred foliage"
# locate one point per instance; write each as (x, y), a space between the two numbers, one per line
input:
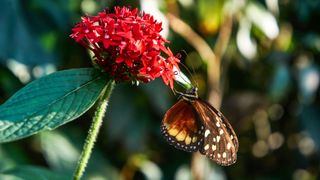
(270, 79)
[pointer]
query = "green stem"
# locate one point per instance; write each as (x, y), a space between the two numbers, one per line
(93, 131)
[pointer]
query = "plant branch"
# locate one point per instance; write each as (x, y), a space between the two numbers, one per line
(215, 83)
(94, 130)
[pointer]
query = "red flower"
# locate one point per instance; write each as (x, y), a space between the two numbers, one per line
(127, 45)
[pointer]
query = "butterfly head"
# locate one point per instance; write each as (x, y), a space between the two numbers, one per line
(189, 94)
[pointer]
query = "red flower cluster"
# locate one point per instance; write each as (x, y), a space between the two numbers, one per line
(127, 45)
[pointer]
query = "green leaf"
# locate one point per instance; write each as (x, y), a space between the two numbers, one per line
(32, 173)
(59, 152)
(50, 102)
(263, 19)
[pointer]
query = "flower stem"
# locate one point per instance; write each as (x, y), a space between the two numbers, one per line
(94, 130)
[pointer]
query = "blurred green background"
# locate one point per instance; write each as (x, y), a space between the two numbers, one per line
(268, 52)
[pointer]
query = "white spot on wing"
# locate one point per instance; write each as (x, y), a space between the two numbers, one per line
(206, 147)
(228, 146)
(214, 147)
(206, 133)
(221, 131)
(224, 154)
(217, 124)
(218, 138)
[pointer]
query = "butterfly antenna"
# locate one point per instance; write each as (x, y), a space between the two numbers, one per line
(190, 75)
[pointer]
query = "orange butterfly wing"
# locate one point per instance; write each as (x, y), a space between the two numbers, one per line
(181, 127)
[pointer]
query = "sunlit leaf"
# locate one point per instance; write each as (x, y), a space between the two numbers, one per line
(151, 170)
(246, 45)
(49, 102)
(263, 19)
(62, 153)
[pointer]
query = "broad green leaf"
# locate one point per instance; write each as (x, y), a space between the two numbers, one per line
(59, 151)
(32, 173)
(49, 102)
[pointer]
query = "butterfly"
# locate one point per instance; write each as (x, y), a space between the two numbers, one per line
(192, 124)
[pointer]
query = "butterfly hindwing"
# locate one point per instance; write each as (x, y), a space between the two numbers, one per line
(220, 141)
(181, 127)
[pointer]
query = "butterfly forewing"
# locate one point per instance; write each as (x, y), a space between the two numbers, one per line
(181, 127)
(220, 141)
